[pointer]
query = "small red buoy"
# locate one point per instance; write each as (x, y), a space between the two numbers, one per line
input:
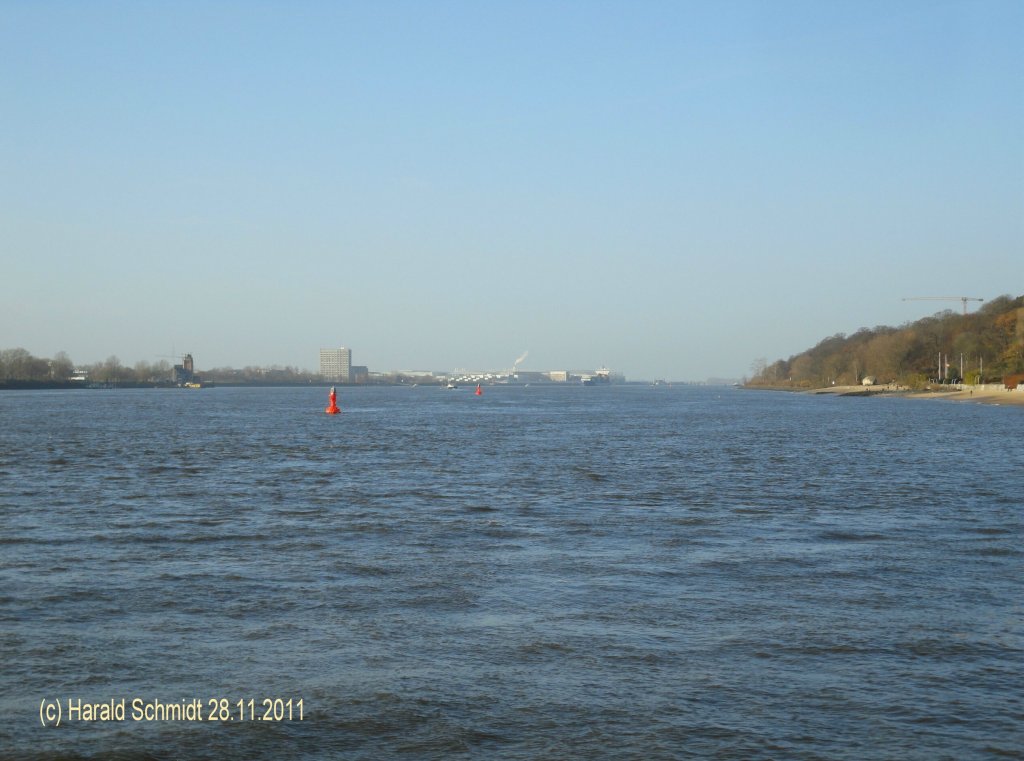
(332, 408)
(479, 391)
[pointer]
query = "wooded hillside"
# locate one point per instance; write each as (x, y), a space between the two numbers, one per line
(990, 342)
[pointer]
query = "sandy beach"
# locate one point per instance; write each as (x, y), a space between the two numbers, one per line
(988, 394)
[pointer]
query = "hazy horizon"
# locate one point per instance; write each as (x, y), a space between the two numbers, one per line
(668, 189)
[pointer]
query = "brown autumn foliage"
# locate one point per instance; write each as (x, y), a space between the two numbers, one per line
(990, 341)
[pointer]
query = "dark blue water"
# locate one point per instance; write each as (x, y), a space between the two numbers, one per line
(541, 572)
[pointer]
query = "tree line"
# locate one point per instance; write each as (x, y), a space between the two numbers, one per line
(20, 369)
(19, 366)
(987, 344)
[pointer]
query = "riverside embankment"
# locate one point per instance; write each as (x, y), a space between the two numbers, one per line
(988, 393)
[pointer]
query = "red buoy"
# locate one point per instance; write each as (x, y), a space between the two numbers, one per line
(332, 408)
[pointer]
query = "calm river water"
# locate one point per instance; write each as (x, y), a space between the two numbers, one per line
(538, 573)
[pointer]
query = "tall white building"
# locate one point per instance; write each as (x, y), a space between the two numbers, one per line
(336, 365)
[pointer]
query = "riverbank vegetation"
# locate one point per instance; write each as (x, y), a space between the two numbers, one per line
(988, 344)
(20, 369)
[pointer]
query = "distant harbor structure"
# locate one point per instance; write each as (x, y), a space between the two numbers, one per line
(184, 375)
(336, 368)
(600, 376)
(336, 365)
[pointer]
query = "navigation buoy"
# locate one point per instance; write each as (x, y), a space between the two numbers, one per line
(332, 408)
(479, 391)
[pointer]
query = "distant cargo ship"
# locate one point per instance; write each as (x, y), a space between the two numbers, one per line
(599, 377)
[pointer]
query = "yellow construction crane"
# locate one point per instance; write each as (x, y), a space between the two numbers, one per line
(962, 299)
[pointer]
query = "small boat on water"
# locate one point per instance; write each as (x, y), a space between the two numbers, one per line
(451, 385)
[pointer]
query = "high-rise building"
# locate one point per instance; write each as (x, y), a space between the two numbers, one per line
(336, 365)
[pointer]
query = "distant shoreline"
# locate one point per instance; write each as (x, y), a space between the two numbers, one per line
(36, 385)
(101, 386)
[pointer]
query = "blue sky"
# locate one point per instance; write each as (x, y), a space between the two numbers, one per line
(671, 189)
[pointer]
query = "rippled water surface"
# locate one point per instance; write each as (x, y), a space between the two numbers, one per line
(540, 572)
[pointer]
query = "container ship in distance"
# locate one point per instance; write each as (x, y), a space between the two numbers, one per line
(600, 377)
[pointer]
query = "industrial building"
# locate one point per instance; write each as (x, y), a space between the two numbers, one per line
(185, 373)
